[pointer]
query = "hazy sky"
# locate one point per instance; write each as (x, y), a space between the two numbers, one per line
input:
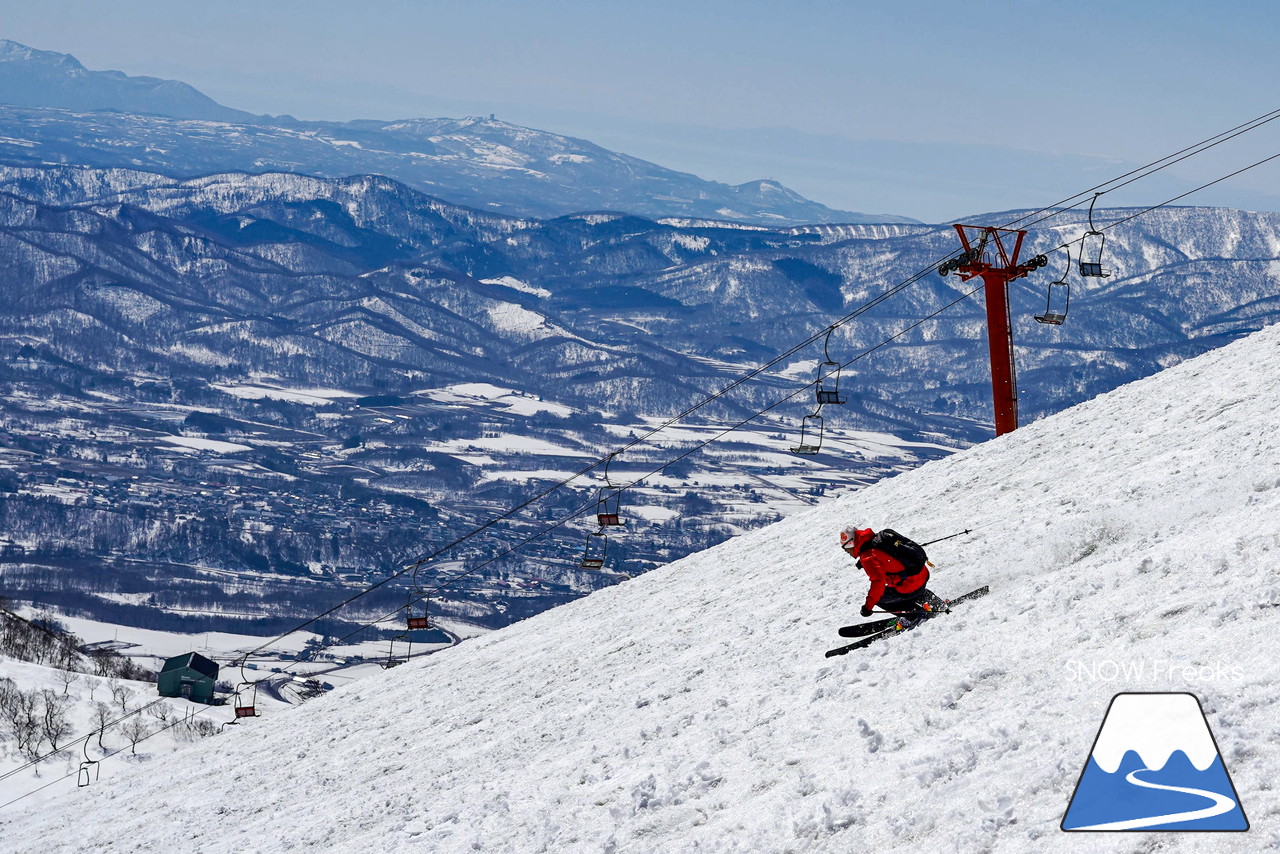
(1126, 81)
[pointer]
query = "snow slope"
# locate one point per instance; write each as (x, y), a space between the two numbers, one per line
(1129, 543)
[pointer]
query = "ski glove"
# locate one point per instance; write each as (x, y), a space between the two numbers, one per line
(866, 612)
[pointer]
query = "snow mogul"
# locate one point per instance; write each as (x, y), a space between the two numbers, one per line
(899, 570)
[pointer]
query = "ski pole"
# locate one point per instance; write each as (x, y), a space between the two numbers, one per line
(948, 537)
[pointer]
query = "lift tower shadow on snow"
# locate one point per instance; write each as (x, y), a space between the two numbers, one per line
(992, 255)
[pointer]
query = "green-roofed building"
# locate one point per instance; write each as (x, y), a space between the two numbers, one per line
(189, 675)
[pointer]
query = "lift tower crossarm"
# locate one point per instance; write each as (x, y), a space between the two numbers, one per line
(991, 254)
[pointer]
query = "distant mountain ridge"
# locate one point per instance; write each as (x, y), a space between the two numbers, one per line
(44, 78)
(62, 113)
(1184, 280)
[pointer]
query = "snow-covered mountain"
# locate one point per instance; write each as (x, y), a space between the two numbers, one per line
(63, 113)
(302, 382)
(1129, 543)
(364, 281)
(45, 78)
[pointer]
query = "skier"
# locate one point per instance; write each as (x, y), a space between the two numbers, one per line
(898, 569)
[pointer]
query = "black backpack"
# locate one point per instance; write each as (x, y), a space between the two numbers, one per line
(904, 550)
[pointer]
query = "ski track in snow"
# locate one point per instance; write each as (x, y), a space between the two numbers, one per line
(691, 710)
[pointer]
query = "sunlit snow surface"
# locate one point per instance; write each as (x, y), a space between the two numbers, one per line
(1130, 544)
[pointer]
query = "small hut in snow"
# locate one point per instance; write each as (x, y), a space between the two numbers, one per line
(190, 675)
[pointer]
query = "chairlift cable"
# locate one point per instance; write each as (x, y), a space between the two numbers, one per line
(1133, 175)
(699, 445)
(105, 756)
(1165, 203)
(85, 738)
(753, 373)
(1181, 196)
(565, 482)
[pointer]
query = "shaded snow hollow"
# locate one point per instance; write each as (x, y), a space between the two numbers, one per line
(691, 710)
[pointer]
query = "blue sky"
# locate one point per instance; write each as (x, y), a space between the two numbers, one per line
(736, 91)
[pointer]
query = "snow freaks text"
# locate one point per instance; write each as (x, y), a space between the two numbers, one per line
(1156, 669)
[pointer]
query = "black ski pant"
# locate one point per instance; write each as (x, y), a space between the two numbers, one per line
(907, 603)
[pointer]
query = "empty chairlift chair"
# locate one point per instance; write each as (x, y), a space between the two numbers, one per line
(810, 434)
(1058, 299)
(1092, 245)
(828, 383)
(393, 660)
(594, 554)
(88, 773)
(245, 702)
(415, 623)
(89, 768)
(608, 500)
(417, 593)
(608, 506)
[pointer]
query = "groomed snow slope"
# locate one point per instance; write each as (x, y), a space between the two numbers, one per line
(692, 709)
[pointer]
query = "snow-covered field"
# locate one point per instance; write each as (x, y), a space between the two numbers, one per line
(1130, 544)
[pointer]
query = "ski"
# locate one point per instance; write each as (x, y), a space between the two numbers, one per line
(860, 629)
(881, 629)
(972, 594)
(865, 642)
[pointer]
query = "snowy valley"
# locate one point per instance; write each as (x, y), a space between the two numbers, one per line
(232, 401)
(1129, 543)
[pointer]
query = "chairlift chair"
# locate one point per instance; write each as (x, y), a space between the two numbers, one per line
(810, 435)
(608, 506)
(84, 776)
(1058, 299)
(242, 708)
(1055, 309)
(828, 384)
(1093, 237)
(392, 659)
(417, 593)
(88, 773)
(1093, 268)
(594, 553)
(608, 499)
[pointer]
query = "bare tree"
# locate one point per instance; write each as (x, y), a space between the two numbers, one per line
(121, 693)
(135, 729)
(204, 727)
(22, 720)
(161, 712)
(67, 656)
(102, 715)
(54, 726)
(185, 731)
(67, 678)
(101, 661)
(7, 687)
(195, 728)
(8, 701)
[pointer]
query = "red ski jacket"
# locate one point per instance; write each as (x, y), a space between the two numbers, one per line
(886, 571)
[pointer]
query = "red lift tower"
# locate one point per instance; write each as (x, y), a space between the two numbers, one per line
(992, 255)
